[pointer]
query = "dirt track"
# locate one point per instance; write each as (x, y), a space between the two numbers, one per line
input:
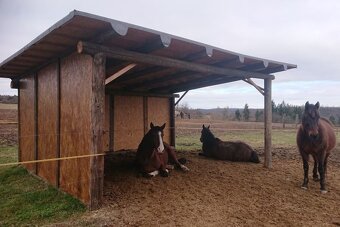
(217, 193)
(213, 193)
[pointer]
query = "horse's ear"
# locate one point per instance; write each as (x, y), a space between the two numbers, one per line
(208, 126)
(163, 126)
(306, 105)
(203, 126)
(151, 125)
(317, 105)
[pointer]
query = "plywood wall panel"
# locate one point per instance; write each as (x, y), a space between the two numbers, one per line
(106, 137)
(128, 122)
(159, 113)
(75, 124)
(47, 122)
(27, 124)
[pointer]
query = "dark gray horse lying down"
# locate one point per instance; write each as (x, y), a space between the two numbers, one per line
(224, 150)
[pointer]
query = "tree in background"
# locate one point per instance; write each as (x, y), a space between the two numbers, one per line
(246, 112)
(258, 115)
(225, 113)
(238, 115)
(332, 119)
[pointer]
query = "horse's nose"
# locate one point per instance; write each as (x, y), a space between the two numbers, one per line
(314, 136)
(160, 150)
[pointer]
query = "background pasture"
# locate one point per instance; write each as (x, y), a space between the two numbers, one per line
(216, 193)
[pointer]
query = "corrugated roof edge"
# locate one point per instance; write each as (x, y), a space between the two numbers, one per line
(117, 26)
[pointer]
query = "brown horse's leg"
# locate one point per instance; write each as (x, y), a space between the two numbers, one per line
(325, 166)
(173, 157)
(321, 168)
(315, 169)
(305, 169)
(163, 159)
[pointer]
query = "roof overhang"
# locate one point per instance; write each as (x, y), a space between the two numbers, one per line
(176, 64)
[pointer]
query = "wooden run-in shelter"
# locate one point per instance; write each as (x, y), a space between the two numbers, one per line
(90, 84)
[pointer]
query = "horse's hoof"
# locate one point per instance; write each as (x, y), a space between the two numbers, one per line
(164, 173)
(184, 168)
(170, 167)
(304, 187)
(154, 173)
(323, 191)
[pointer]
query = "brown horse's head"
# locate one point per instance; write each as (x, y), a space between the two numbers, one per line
(310, 120)
(156, 137)
(206, 134)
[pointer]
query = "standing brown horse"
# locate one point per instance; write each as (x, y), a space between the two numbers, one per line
(153, 155)
(226, 150)
(315, 137)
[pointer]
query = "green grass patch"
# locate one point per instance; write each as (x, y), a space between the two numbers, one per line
(5, 106)
(26, 200)
(8, 154)
(255, 138)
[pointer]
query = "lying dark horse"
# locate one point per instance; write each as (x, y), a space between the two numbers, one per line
(153, 155)
(315, 137)
(232, 151)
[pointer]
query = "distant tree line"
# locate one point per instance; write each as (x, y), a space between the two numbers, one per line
(8, 99)
(282, 113)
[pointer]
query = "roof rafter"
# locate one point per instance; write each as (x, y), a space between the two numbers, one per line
(91, 48)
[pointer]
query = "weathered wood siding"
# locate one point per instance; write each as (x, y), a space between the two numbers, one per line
(106, 137)
(75, 124)
(128, 122)
(132, 117)
(159, 113)
(27, 122)
(47, 122)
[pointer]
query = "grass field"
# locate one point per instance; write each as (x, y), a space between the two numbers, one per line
(26, 200)
(255, 138)
(5, 106)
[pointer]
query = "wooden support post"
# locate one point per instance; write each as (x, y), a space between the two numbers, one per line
(268, 123)
(97, 127)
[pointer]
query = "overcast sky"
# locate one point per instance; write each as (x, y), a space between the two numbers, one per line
(301, 32)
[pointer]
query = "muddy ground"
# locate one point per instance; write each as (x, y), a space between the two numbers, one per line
(213, 193)
(217, 193)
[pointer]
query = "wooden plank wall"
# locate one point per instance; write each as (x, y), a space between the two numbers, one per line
(128, 122)
(27, 123)
(132, 117)
(47, 121)
(106, 137)
(159, 113)
(75, 124)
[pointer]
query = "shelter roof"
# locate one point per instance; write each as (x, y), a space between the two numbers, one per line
(176, 64)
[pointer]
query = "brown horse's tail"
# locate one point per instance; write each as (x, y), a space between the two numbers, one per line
(254, 157)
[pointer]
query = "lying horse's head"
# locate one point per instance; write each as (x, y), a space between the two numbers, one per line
(206, 134)
(156, 137)
(310, 119)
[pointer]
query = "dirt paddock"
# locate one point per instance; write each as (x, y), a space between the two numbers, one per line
(217, 193)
